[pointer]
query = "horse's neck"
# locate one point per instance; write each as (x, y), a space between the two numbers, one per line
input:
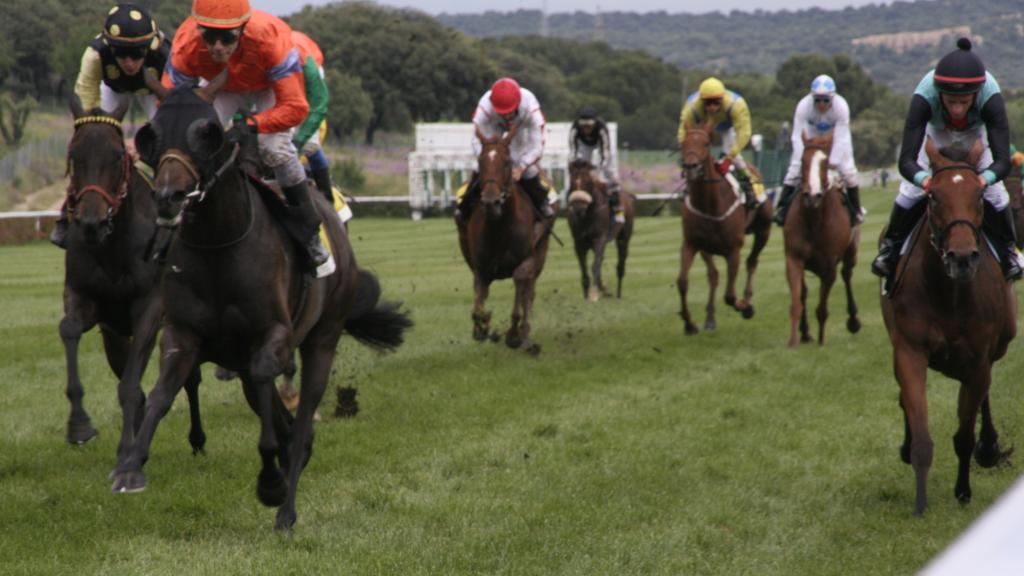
(223, 215)
(708, 193)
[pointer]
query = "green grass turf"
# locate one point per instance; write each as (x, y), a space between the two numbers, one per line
(625, 448)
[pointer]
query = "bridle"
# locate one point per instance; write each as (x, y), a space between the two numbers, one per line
(198, 194)
(702, 162)
(504, 184)
(940, 236)
(113, 200)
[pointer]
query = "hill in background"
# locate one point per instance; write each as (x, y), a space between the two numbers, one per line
(896, 43)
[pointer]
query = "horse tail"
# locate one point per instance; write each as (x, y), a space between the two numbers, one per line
(381, 325)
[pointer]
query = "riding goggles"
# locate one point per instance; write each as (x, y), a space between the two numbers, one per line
(822, 99)
(226, 36)
(712, 101)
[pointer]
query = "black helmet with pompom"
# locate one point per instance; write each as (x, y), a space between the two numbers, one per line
(961, 71)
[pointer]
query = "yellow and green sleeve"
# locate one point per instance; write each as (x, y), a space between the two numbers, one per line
(90, 74)
(741, 123)
(687, 112)
(317, 96)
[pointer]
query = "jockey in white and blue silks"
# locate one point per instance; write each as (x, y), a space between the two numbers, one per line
(588, 136)
(955, 104)
(820, 113)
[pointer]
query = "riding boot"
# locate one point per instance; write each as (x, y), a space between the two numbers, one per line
(853, 199)
(59, 236)
(615, 204)
(464, 205)
(901, 222)
(999, 226)
(539, 194)
(783, 206)
(322, 177)
(306, 221)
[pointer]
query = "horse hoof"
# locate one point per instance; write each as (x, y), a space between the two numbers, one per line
(533, 349)
(748, 312)
(79, 434)
(479, 335)
(691, 329)
(905, 453)
(963, 494)
(805, 338)
(595, 295)
(513, 341)
(709, 325)
(128, 482)
(495, 337)
(271, 488)
(991, 455)
(853, 325)
(285, 520)
(730, 301)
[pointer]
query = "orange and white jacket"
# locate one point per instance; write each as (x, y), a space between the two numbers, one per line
(265, 58)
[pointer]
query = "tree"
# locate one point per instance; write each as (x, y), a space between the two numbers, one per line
(350, 106)
(14, 113)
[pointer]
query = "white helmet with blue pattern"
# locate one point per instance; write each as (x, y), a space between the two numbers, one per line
(823, 85)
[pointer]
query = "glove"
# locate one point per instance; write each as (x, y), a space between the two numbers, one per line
(927, 185)
(723, 165)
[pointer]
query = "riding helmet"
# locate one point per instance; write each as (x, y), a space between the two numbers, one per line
(130, 26)
(961, 71)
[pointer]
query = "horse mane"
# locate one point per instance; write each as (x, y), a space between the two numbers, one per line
(955, 152)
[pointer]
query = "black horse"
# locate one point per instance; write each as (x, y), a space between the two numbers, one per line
(107, 279)
(236, 293)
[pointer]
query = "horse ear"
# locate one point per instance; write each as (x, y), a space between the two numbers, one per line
(934, 156)
(975, 154)
(205, 137)
(145, 143)
(118, 114)
(75, 104)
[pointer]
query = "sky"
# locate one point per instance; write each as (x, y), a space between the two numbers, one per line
(282, 7)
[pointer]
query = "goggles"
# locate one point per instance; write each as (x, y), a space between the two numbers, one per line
(226, 36)
(822, 99)
(712, 101)
(587, 122)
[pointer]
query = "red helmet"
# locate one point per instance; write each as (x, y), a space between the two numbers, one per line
(505, 95)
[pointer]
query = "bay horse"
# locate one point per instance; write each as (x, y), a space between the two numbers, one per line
(108, 279)
(715, 223)
(590, 222)
(950, 310)
(1014, 189)
(818, 235)
(503, 237)
(237, 293)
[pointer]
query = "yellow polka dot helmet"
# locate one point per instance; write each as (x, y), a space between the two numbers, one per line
(129, 26)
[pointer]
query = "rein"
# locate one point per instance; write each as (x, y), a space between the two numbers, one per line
(113, 201)
(941, 235)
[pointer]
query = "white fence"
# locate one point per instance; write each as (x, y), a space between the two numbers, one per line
(443, 160)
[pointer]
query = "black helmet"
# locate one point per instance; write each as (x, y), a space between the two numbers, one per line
(961, 71)
(587, 113)
(130, 26)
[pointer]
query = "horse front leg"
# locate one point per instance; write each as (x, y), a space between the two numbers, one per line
(196, 436)
(179, 357)
(910, 367)
(973, 391)
(146, 321)
(849, 261)
(682, 283)
(795, 279)
(988, 453)
(525, 277)
(599, 289)
(805, 328)
(79, 317)
(266, 364)
(481, 317)
(827, 280)
(581, 256)
(732, 272)
(317, 358)
(622, 243)
(709, 309)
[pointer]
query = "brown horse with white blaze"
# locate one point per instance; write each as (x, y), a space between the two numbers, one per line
(592, 229)
(950, 310)
(715, 224)
(818, 235)
(503, 237)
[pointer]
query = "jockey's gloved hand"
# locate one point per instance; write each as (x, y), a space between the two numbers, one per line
(723, 165)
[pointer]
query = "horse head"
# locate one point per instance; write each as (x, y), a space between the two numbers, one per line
(585, 189)
(696, 151)
(99, 167)
(955, 209)
(495, 170)
(814, 169)
(182, 142)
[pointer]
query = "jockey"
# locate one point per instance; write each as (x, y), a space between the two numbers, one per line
(307, 138)
(112, 72)
(588, 134)
(505, 105)
(819, 113)
(957, 103)
(730, 116)
(263, 66)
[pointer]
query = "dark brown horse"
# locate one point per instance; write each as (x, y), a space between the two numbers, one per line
(818, 235)
(1014, 189)
(237, 293)
(714, 224)
(590, 221)
(107, 278)
(950, 310)
(504, 237)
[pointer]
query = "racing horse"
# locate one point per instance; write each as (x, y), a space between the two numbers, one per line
(237, 292)
(589, 220)
(714, 223)
(1016, 191)
(108, 279)
(818, 235)
(949, 310)
(503, 237)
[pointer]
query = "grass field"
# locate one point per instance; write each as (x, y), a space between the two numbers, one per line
(625, 448)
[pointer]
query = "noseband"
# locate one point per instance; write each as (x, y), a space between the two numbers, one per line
(940, 236)
(113, 201)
